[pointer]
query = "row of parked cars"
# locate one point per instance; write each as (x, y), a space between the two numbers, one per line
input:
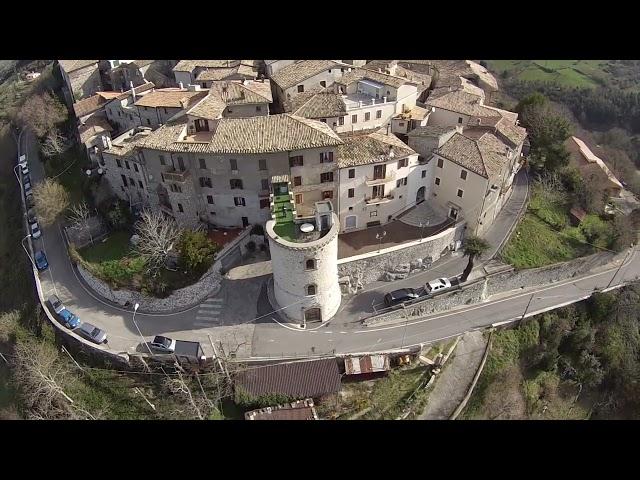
(28, 194)
(72, 322)
(404, 295)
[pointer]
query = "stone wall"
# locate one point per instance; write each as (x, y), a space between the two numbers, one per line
(397, 264)
(514, 279)
(472, 293)
(483, 288)
(181, 299)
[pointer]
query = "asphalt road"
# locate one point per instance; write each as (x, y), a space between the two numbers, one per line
(233, 311)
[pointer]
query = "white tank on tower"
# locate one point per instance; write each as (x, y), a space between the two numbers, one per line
(304, 259)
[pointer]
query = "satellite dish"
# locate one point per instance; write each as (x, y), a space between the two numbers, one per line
(88, 172)
(100, 171)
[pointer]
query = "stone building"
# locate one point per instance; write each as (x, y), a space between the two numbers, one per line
(81, 79)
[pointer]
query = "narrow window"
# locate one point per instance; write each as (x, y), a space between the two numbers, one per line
(351, 192)
(437, 181)
(162, 160)
(440, 163)
(235, 183)
(459, 119)
(378, 113)
(463, 174)
(424, 173)
(310, 264)
(460, 193)
(233, 163)
(239, 201)
(258, 108)
(327, 194)
(126, 163)
(264, 184)
(210, 199)
(354, 118)
(180, 209)
(203, 164)
(298, 198)
(262, 164)
(311, 289)
(119, 162)
(367, 116)
(326, 177)
(300, 88)
(340, 120)
(140, 183)
(135, 167)
(297, 181)
(124, 180)
(352, 173)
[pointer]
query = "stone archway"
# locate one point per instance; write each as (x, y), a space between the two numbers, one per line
(420, 195)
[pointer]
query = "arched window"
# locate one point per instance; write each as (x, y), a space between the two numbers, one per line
(310, 264)
(311, 289)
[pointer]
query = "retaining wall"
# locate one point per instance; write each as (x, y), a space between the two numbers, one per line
(374, 266)
(482, 288)
(180, 299)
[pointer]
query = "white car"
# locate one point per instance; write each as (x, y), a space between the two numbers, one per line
(25, 168)
(437, 285)
(35, 230)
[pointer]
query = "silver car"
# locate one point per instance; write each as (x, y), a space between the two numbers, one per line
(56, 304)
(35, 230)
(93, 333)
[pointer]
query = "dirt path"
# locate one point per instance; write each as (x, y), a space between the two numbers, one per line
(452, 384)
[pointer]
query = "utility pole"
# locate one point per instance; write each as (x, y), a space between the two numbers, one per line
(618, 269)
(526, 308)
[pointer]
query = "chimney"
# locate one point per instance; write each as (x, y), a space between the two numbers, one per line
(479, 120)
(391, 152)
(379, 70)
(181, 86)
(133, 91)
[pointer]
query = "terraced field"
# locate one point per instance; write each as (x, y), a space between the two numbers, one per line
(571, 73)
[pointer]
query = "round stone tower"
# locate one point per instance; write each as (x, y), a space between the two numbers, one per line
(305, 273)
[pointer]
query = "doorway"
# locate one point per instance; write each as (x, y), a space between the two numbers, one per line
(245, 222)
(420, 195)
(312, 315)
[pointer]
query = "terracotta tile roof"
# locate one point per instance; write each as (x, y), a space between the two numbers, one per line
(169, 97)
(515, 134)
(89, 105)
(430, 131)
(299, 379)
(222, 94)
(370, 148)
(139, 89)
(485, 156)
(299, 410)
(358, 74)
(321, 105)
(92, 127)
(264, 134)
(460, 101)
(214, 74)
(190, 65)
(295, 73)
(108, 95)
(73, 65)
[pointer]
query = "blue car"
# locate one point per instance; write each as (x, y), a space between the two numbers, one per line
(69, 319)
(41, 260)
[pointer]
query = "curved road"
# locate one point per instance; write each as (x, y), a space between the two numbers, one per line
(229, 316)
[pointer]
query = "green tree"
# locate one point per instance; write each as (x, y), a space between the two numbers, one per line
(196, 250)
(547, 129)
(473, 247)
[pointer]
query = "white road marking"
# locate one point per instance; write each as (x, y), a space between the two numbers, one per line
(210, 307)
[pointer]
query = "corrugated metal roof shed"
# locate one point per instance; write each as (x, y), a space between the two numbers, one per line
(300, 410)
(300, 379)
(367, 364)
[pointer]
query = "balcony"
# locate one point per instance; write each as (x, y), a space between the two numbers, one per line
(355, 101)
(176, 176)
(378, 200)
(390, 176)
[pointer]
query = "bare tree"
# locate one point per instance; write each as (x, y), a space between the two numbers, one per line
(195, 404)
(503, 398)
(54, 143)
(79, 216)
(51, 199)
(158, 235)
(41, 376)
(42, 113)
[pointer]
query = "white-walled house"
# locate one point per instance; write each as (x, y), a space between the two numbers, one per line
(380, 177)
(158, 106)
(121, 112)
(305, 75)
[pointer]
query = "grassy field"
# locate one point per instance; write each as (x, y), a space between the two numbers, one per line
(69, 169)
(544, 235)
(114, 247)
(571, 73)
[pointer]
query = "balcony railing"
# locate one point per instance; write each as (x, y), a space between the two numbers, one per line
(176, 176)
(377, 200)
(390, 176)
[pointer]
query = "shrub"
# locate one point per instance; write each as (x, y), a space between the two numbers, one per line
(196, 250)
(257, 230)
(247, 401)
(251, 246)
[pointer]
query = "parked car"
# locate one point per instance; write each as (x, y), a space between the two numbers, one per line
(30, 201)
(35, 230)
(41, 260)
(26, 179)
(27, 188)
(163, 344)
(25, 168)
(22, 161)
(31, 216)
(400, 296)
(93, 333)
(437, 285)
(68, 319)
(56, 304)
